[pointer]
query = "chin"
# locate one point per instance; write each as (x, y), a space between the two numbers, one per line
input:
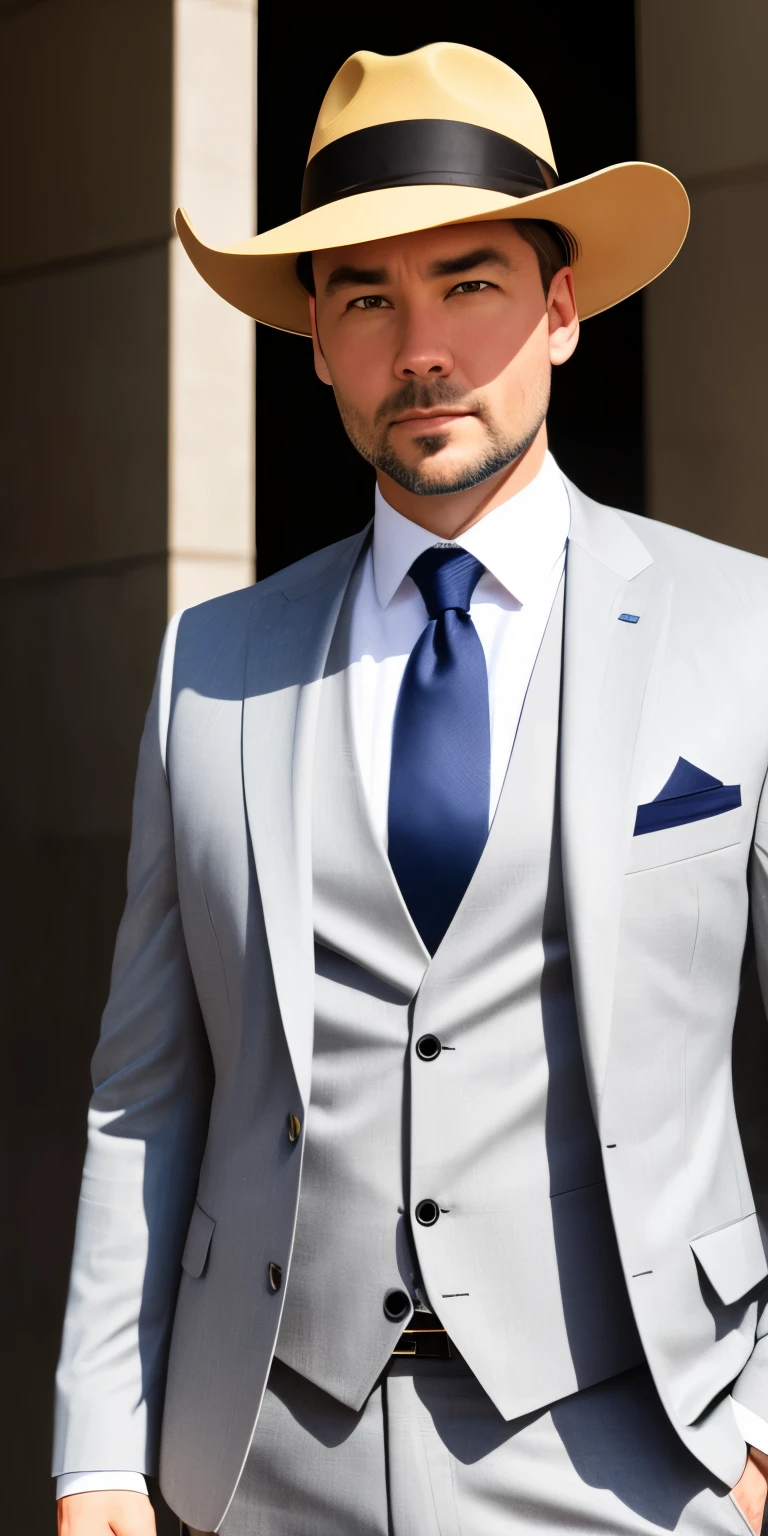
(443, 474)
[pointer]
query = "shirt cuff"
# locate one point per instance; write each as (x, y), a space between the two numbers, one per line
(103, 1482)
(753, 1428)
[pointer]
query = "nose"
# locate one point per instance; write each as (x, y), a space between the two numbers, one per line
(423, 353)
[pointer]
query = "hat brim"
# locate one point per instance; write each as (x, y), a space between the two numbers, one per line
(629, 221)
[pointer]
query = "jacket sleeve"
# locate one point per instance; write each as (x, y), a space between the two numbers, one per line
(147, 1124)
(750, 1082)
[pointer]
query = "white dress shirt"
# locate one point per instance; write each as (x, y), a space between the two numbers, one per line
(522, 545)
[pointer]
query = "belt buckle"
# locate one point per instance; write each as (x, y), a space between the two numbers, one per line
(428, 1343)
(405, 1346)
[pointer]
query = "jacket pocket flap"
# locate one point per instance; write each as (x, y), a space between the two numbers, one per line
(198, 1242)
(732, 1257)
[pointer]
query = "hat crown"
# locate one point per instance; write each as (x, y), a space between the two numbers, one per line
(443, 80)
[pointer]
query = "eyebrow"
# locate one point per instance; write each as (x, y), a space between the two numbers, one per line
(485, 256)
(356, 277)
(376, 277)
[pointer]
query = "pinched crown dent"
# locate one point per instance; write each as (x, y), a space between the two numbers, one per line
(443, 80)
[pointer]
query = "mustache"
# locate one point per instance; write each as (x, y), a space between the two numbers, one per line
(416, 395)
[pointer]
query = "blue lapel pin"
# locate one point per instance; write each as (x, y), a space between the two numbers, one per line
(629, 618)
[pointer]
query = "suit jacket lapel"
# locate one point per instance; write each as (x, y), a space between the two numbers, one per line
(290, 632)
(610, 675)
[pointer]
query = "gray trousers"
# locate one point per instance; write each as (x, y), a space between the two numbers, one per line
(429, 1455)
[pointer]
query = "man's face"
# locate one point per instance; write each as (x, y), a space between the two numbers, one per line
(439, 348)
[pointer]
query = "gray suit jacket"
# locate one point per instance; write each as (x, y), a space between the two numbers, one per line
(191, 1182)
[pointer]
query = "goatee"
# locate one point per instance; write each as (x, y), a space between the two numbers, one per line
(501, 449)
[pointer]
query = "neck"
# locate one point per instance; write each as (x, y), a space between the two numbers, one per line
(450, 515)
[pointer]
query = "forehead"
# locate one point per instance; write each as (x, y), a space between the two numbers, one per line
(423, 246)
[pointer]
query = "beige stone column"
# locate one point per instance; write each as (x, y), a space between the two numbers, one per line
(126, 491)
(211, 525)
(702, 104)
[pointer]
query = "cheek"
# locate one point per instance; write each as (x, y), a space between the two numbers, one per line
(509, 350)
(360, 374)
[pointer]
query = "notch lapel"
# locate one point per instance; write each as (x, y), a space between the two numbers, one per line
(610, 680)
(288, 641)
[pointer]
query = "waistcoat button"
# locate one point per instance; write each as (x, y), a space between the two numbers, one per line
(427, 1212)
(294, 1127)
(396, 1305)
(428, 1048)
(275, 1274)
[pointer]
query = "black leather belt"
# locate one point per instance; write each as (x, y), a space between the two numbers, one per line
(424, 1338)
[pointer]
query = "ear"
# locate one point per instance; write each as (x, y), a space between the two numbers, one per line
(563, 317)
(321, 367)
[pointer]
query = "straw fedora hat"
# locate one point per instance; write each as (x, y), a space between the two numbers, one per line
(445, 135)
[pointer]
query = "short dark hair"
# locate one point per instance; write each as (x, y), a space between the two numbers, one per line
(554, 245)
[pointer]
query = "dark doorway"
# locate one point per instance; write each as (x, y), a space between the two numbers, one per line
(311, 486)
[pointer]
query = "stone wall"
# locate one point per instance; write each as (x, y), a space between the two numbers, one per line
(126, 490)
(701, 93)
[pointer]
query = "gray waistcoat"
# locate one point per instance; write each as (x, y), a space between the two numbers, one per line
(521, 1265)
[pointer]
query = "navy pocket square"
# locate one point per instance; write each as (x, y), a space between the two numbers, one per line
(689, 794)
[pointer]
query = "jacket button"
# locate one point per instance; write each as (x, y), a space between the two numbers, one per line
(275, 1274)
(396, 1306)
(428, 1048)
(427, 1212)
(294, 1127)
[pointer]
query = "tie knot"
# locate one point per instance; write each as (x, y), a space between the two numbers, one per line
(446, 578)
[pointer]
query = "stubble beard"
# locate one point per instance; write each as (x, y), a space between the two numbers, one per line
(501, 449)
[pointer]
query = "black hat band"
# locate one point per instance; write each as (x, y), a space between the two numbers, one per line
(424, 151)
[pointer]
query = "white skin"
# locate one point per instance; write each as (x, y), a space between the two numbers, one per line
(436, 373)
(458, 313)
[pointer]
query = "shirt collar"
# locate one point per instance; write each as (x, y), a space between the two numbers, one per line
(519, 542)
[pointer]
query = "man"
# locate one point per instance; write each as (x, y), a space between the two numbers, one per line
(414, 1199)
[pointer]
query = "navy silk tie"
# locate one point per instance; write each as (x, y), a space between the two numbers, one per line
(439, 788)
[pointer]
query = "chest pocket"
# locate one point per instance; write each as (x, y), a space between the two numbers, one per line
(689, 841)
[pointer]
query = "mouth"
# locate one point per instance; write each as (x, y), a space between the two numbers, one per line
(431, 421)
